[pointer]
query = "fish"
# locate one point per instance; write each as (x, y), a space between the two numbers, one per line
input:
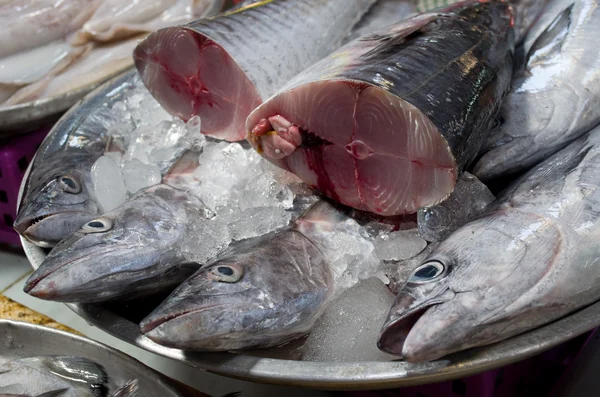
(532, 258)
(26, 24)
(383, 13)
(49, 376)
(469, 198)
(129, 389)
(129, 252)
(58, 196)
(386, 123)
(553, 102)
(222, 68)
(261, 293)
(117, 19)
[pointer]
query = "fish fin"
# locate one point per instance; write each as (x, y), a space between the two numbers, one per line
(551, 39)
(80, 369)
(115, 144)
(323, 215)
(185, 166)
(127, 390)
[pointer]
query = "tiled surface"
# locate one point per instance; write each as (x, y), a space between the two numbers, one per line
(14, 269)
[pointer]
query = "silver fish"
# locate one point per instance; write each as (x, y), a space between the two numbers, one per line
(555, 100)
(58, 197)
(48, 376)
(531, 259)
(128, 252)
(262, 293)
(222, 68)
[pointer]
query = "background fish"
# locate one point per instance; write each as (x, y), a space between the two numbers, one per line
(49, 376)
(554, 101)
(386, 123)
(257, 48)
(262, 293)
(531, 259)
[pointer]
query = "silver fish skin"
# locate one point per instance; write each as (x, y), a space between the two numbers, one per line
(382, 14)
(58, 197)
(49, 376)
(555, 100)
(262, 293)
(224, 67)
(129, 252)
(129, 389)
(469, 198)
(531, 259)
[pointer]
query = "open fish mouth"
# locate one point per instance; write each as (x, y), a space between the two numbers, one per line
(32, 229)
(395, 331)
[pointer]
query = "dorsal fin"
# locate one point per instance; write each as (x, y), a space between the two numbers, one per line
(183, 168)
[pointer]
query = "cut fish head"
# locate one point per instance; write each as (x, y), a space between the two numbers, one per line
(127, 252)
(262, 297)
(469, 291)
(58, 202)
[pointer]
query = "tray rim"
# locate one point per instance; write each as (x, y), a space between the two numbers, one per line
(327, 375)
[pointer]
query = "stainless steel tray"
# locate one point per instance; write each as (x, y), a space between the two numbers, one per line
(23, 339)
(323, 375)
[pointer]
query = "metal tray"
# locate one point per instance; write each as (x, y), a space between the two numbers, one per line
(323, 375)
(23, 339)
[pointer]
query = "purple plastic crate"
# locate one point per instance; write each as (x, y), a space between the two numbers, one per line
(534, 377)
(15, 155)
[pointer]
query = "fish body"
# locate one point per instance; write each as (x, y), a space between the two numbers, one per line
(126, 253)
(382, 14)
(49, 376)
(222, 68)
(554, 101)
(532, 258)
(262, 293)
(386, 123)
(58, 197)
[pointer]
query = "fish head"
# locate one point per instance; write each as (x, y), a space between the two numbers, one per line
(126, 252)
(259, 298)
(470, 289)
(59, 199)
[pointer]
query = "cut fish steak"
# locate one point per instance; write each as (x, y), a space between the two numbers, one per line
(386, 123)
(223, 68)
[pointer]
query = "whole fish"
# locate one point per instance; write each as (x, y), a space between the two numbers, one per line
(222, 68)
(58, 196)
(262, 293)
(555, 100)
(386, 123)
(531, 259)
(49, 376)
(129, 252)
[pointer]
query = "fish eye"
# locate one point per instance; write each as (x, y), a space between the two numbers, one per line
(427, 272)
(230, 273)
(97, 226)
(498, 122)
(69, 184)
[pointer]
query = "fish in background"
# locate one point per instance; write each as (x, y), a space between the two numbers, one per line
(261, 293)
(386, 123)
(222, 68)
(49, 376)
(555, 99)
(532, 258)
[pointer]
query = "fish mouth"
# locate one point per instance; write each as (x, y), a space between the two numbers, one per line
(395, 331)
(150, 324)
(29, 227)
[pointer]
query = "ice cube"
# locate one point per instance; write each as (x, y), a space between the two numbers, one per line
(469, 198)
(348, 329)
(109, 188)
(204, 239)
(138, 175)
(399, 245)
(258, 221)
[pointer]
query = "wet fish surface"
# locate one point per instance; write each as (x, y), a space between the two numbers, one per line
(386, 123)
(262, 293)
(554, 101)
(58, 196)
(532, 258)
(49, 376)
(222, 68)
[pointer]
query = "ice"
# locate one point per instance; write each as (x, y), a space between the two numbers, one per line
(399, 245)
(398, 272)
(348, 330)
(258, 221)
(469, 198)
(109, 188)
(138, 175)
(204, 239)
